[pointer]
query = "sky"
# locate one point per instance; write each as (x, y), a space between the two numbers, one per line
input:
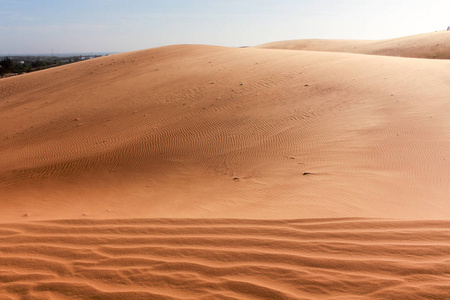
(110, 26)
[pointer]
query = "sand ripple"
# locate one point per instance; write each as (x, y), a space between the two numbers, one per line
(225, 259)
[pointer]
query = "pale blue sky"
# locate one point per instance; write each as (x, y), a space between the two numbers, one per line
(37, 26)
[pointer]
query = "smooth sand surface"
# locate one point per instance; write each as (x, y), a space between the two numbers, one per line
(430, 45)
(195, 171)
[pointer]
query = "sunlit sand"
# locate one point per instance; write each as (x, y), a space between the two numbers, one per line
(195, 171)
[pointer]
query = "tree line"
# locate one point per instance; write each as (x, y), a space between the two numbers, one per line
(16, 65)
(7, 66)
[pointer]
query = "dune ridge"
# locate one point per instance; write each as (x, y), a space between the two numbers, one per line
(435, 45)
(225, 259)
(202, 131)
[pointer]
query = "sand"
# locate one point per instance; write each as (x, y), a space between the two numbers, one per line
(225, 259)
(194, 171)
(434, 45)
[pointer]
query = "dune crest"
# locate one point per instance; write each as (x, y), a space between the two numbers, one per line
(435, 45)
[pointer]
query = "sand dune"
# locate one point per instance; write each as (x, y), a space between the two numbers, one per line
(225, 259)
(430, 45)
(193, 171)
(201, 131)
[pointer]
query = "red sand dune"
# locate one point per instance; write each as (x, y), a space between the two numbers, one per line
(94, 154)
(429, 45)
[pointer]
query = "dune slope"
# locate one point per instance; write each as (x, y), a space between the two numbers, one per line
(200, 131)
(429, 45)
(225, 259)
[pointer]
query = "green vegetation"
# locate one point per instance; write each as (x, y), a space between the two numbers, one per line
(15, 65)
(6, 66)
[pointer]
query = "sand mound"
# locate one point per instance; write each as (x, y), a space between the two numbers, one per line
(93, 155)
(225, 259)
(200, 131)
(429, 45)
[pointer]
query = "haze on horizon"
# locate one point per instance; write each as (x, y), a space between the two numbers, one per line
(39, 26)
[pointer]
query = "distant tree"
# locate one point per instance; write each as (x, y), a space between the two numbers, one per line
(38, 64)
(6, 66)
